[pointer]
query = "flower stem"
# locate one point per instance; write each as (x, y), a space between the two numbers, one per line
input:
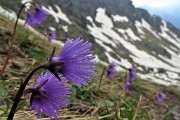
(10, 48)
(101, 77)
(137, 108)
(20, 92)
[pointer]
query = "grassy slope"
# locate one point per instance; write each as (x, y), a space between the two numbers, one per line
(108, 102)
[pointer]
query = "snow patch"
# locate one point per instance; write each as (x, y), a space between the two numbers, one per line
(65, 28)
(117, 18)
(146, 25)
(122, 31)
(139, 27)
(164, 33)
(173, 48)
(52, 28)
(108, 49)
(57, 15)
(125, 63)
(172, 75)
(89, 18)
(101, 17)
(139, 68)
(174, 58)
(97, 32)
(132, 35)
(97, 60)
(158, 79)
(8, 13)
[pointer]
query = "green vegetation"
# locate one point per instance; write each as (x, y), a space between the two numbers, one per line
(107, 103)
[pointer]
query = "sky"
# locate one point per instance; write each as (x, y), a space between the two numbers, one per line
(166, 9)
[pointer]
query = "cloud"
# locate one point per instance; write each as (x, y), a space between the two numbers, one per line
(165, 4)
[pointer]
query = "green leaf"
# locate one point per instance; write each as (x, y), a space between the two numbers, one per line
(3, 92)
(20, 105)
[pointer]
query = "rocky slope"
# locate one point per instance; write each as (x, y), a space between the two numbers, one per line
(119, 32)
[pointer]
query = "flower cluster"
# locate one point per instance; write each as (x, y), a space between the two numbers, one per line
(33, 20)
(159, 97)
(48, 93)
(128, 81)
(111, 71)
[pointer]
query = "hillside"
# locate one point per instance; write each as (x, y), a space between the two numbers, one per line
(128, 36)
(88, 103)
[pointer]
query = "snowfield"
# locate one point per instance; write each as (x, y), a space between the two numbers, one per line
(139, 57)
(57, 15)
(110, 37)
(117, 18)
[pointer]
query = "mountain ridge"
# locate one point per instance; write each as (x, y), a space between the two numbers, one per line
(127, 35)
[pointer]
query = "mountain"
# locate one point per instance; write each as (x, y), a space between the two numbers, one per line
(171, 15)
(119, 32)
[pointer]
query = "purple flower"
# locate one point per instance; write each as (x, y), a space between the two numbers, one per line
(40, 15)
(132, 73)
(159, 97)
(127, 85)
(30, 20)
(37, 18)
(51, 36)
(111, 71)
(77, 65)
(48, 95)
(128, 81)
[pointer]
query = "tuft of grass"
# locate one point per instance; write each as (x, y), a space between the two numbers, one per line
(31, 43)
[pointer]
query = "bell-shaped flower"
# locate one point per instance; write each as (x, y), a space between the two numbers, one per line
(128, 81)
(159, 97)
(49, 95)
(51, 36)
(39, 16)
(111, 71)
(77, 62)
(30, 20)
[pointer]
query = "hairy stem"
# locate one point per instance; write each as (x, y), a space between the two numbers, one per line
(101, 78)
(10, 48)
(20, 92)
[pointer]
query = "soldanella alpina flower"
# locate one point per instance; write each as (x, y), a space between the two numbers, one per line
(111, 71)
(48, 95)
(30, 20)
(39, 16)
(159, 97)
(51, 36)
(77, 62)
(128, 81)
